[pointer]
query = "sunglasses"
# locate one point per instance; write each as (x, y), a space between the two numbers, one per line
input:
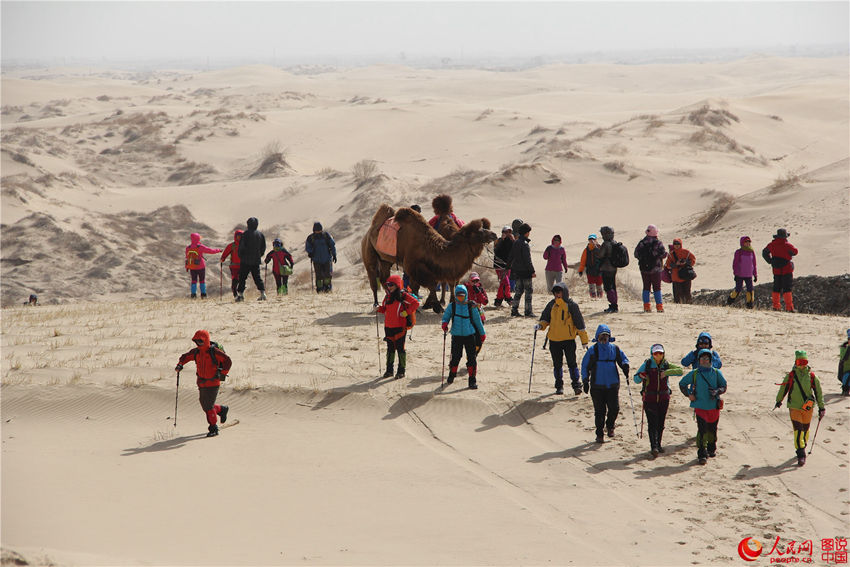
(198, 341)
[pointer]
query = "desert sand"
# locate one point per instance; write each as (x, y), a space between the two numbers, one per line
(105, 174)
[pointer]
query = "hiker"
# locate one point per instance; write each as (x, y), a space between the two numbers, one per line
(745, 271)
(803, 389)
(600, 377)
(251, 248)
(564, 321)
(398, 307)
(404, 277)
(281, 266)
(196, 265)
(321, 249)
(608, 269)
(703, 386)
(844, 366)
(655, 393)
(778, 254)
(442, 205)
(678, 262)
(703, 342)
(515, 224)
(556, 258)
(590, 263)
(501, 262)
(477, 294)
(211, 367)
(650, 252)
(523, 270)
(32, 301)
(232, 250)
(466, 324)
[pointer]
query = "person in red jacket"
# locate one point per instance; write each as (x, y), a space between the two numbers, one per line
(211, 367)
(196, 265)
(232, 250)
(398, 308)
(281, 266)
(778, 254)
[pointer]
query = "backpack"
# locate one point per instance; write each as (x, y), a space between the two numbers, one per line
(193, 259)
(213, 345)
(646, 257)
(619, 255)
(411, 317)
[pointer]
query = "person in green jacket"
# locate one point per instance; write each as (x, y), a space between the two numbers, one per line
(803, 389)
(703, 386)
(655, 393)
(844, 366)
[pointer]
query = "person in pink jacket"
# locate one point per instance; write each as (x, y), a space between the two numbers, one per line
(556, 258)
(196, 265)
(745, 271)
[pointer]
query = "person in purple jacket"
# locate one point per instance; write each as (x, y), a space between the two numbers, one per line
(556, 258)
(745, 271)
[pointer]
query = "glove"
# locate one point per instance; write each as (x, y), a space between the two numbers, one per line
(537, 326)
(334, 259)
(178, 368)
(310, 256)
(755, 278)
(580, 274)
(626, 370)
(585, 385)
(778, 405)
(219, 376)
(403, 313)
(483, 338)
(445, 327)
(821, 413)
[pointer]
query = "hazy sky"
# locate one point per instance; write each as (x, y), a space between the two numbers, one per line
(293, 31)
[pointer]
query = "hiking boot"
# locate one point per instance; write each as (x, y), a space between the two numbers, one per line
(577, 389)
(801, 457)
(647, 308)
(452, 375)
(194, 296)
(559, 390)
(509, 299)
(497, 303)
(612, 309)
(529, 314)
(610, 432)
(702, 460)
(654, 452)
(659, 307)
(730, 300)
(712, 454)
(600, 438)
(213, 431)
(749, 305)
(660, 449)
(514, 313)
(712, 450)
(389, 372)
(262, 296)
(400, 373)
(222, 415)
(203, 295)
(239, 298)
(473, 385)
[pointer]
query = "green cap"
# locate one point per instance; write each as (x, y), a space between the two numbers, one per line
(798, 354)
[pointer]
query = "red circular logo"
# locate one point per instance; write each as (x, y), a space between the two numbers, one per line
(748, 553)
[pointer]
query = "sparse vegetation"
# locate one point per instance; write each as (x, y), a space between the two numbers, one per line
(615, 167)
(717, 211)
(791, 180)
(364, 170)
(712, 116)
(272, 161)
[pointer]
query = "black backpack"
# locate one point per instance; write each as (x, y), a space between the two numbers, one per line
(619, 255)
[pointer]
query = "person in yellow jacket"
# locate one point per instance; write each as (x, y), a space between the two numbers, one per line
(564, 321)
(803, 390)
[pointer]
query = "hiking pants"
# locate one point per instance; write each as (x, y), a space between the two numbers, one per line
(395, 338)
(558, 349)
(254, 270)
(782, 282)
(609, 283)
(523, 286)
(552, 277)
(606, 407)
(800, 420)
(459, 344)
(652, 279)
(682, 292)
(504, 291)
(707, 421)
(656, 415)
(199, 275)
(739, 284)
(207, 398)
(323, 276)
(234, 278)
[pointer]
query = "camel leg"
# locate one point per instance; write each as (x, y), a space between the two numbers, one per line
(432, 302)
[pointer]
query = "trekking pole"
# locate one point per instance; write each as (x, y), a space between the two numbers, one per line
(266, 277)
(641, 420)
(533, 345)
(220, 280)
(815, 436)
(311, 278)
(632, 404)
(176, 394)
(443, 371)
(378, 343)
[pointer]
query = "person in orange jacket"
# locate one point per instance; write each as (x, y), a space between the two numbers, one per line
(590, 263)
(211, 367)
(778, 254)
(232, 250)
(398, 308)
(676, 259)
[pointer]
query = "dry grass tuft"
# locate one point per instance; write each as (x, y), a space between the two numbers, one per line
(272, 162)
(717, 211)
(791, 180)
(615, 167)
(712, 116)
(365, 170)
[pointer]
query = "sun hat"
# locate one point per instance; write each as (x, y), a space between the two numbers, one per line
(656, 348)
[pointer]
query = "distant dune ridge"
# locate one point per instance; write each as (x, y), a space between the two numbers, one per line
(105, 175)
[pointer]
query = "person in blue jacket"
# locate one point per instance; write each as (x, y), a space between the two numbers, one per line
(703, 386)
(466, 324)
(599, 375)
(703, 342)
(321, 249)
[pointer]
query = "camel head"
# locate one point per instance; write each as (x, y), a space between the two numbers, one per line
(478, 232)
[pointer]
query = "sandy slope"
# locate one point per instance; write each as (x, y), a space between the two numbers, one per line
(330, 465)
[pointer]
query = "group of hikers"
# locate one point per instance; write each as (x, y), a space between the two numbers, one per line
(246, 253)
(598, 373)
